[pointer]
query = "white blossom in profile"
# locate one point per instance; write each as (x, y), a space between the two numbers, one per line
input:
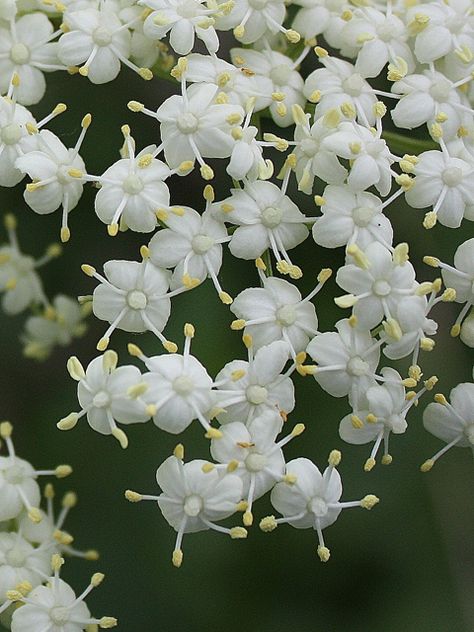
(18, 487)
(56, 606)
(308, 499)
(105, 394)
(451, 422)
(194, 498)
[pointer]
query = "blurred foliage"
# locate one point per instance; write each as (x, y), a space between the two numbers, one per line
(406, 565)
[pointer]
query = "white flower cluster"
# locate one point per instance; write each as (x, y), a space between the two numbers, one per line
(52, 323)
(337, 148)
(32, 542)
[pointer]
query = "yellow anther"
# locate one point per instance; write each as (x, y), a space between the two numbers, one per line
(436, 131)
(360, 258)
(75, 369)
(356, 422)
(400, 254)
(355, 148)
(260, 264)
(404, 181)
(431, 261)
(315, 96)
(206, 172)
(415, 372)
(213, 433)
(292, 36)
(449, 295)
(137, 390)
(431, 382)
(208, 467)
(247, 340)
(392, 328)
(135, 106)
(62, 471)
(297, 430)
(226, 298)
(238, 324)
(151, 410)
(49, 491)
(380, 109)
(68, 423)
(241, 506)
(320, 51)
(64, 234)
(62, 537)
(6, 429)
(238, 374)
(145, 73)
(185, 167)
(189, 330)
(430, 220)
(369, 501)
(145, 161)
(441, 399)
(178, 451)
(103, 344)
(134, 350)
(387, 459)
(290, 479)
(247, 518)
(162, 214)
(107, 622)
(441, 117)
(268, 524)
(87, 269)
(10, 221)
(209, 193)
(231, 467)
(346, 301)
(427, 465)
(170, 347)
(335, 457)
(91, 555)
(369, 464)
(427, 344)
(371, 418)
(238, 533)
(121, 437)
(398, 70)
(348, 110)
(35, 515)
(323, 553)
(281, 109)
(346, 15)
(239, 31)
(455, 330)
(113, 229)
(69, 500)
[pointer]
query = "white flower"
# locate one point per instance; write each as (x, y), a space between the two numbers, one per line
(194, 126)
(451, 422)
(387, 408)
(313, 159)
(266, 219)
(21, 562)
(251, 20)
(133, 297)
(57, 173)
(308, 499)
(179, 389)
(376, 282)
(183, 20)
(252, 452)
(18, 273)
(349, 217)
(346, 361)
(98, 41)
(370, 157)
(438, 28)
(314, 16)
(18, 487)
(338, 84)
(286, 83)
(26, 49)
(132, 190)
(8, 9)
(379, 38)
(191, 244)
(63, 321)
(277, 311)
(248, 389)
(239, 84)
(444, 182)
(460, 277)
(193, 498)
(55, 607)
(429, 98)
(103, 394)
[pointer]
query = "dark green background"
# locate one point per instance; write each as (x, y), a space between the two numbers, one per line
(407, 565)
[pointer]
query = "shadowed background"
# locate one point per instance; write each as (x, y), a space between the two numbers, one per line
(405, 565)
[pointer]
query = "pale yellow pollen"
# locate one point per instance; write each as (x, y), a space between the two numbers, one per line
(335, 457)
(238, 533)
(323, 553)
(268, 524)
(121, 437)
(369, 501)
(369, 464)
(178, 451)
(171, 347)
(427, 465)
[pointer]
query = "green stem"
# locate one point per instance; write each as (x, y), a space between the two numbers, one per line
(402, 144)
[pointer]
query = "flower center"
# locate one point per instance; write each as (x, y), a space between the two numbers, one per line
(452, 176)
(353, 85)
(381, 287)
(280, 74)
(202, 243)
(271, 217)
(187, 123)
(183, 385)
(255, 462)
(286, 315)
(62, 174)
(14, 475)
(256, 394)
(19, 53)
(101, 36)
(137, 299)
(11, 134)
(59, 615)
(440, 90)
(193, 505)
(318, 506)
(132, 184)
(101, 399)
(362, 216)
(16, 558)
(357, 367)
(397, 424)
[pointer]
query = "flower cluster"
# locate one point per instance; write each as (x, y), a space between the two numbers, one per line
(330, 175)
(32, 542)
